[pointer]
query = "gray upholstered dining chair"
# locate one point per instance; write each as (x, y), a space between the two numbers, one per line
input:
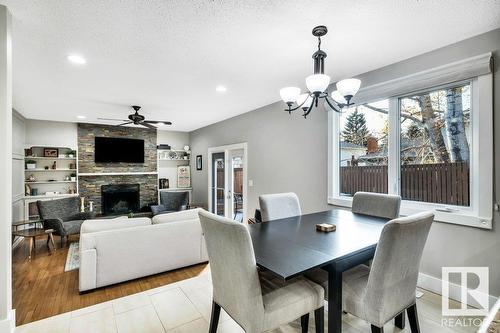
(385, 290)
(256, 304)
(279, 206)
(376, 204)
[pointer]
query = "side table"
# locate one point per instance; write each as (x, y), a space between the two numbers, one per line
(32, 234)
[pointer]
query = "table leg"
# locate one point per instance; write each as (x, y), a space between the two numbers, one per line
(31, 248)
(52, 241)
(334, 300)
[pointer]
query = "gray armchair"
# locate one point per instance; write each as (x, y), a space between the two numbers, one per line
(63, 215)
(171, 202)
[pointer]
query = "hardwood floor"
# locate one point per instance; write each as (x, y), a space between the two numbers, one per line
(42, 289)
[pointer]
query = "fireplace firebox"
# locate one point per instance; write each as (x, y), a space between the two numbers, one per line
(119, 199)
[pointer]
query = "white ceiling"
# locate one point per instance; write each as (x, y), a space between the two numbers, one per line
(169, 56)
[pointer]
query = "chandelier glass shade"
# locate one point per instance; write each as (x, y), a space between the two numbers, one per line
(317, 84)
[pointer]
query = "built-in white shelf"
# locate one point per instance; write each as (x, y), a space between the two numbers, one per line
(174, 159)
(44, 196)
(94, 174)
(49, 158)
(50, 182)
(48, 170)
(176, 150)
(175, 189)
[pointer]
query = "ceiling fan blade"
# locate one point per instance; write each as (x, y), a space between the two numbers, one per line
(126, 123)
(147, 125)
(112, 119)
(157, 122)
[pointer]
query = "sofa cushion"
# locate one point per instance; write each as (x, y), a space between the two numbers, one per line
(115, 223)
(183, 215)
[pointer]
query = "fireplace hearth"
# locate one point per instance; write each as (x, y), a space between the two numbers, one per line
(120, 199)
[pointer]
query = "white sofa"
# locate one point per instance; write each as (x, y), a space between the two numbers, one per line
(121, 249)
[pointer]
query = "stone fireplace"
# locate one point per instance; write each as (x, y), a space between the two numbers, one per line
(97, 181)
(120, 198)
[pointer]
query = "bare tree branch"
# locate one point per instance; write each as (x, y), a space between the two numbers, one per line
(403, 114)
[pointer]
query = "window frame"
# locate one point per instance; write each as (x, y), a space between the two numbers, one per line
(480, 212)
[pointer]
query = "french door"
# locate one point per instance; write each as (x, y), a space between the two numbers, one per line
(227, 176)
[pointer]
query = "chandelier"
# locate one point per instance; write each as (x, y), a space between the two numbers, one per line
(317, 85)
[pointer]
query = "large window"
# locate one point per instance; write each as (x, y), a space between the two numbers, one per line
(433, 147)
(435, 130)
(363, 148)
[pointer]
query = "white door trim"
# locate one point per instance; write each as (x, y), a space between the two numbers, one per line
(225, 149)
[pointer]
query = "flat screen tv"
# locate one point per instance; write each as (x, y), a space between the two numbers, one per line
(115, 150)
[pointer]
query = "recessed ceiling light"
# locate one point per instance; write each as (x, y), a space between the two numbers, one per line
(221, 89)
(77, 59)
(81, 117)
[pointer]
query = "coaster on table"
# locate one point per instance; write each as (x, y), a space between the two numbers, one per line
(326, 227)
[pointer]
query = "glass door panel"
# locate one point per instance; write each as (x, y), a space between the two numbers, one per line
(218, 183)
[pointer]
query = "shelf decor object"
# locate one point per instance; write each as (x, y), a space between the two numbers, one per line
(183, 176)
(318, 83)
(51, 152)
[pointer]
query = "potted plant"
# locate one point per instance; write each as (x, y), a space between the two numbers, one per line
(72, 153)
(30, 164)
(73, 177)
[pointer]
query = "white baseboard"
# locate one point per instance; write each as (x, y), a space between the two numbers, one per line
(8, 325)
(434, 284)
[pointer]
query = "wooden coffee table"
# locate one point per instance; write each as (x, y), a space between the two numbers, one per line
(32, 234)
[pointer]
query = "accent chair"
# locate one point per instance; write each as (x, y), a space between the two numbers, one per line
(171, 202)
(63, 215)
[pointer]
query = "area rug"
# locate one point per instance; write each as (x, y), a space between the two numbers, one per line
(73, 257)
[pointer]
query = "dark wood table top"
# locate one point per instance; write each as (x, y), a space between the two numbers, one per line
(291, 246)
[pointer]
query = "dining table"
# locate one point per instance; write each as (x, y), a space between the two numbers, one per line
(290, 247)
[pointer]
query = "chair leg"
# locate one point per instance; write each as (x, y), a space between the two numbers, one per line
(376, 329)
(304, 322)
(214, 319)
(413, 318)
(400, 320)
(319, 320)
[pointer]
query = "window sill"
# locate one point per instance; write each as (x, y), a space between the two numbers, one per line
(458, 215)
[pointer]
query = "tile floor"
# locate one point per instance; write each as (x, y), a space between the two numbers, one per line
(184, 307)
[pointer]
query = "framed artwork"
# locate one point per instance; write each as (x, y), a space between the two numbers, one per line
(50, 152)
(199, 162)
(183, 176)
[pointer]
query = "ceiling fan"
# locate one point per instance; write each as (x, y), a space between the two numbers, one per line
(138, 119)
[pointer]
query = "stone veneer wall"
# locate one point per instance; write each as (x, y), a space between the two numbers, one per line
(90, 186)
(86, 146)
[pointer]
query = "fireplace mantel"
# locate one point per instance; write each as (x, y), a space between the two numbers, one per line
(94, 174)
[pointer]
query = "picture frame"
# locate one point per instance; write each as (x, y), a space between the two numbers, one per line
(199, 162)
(50, 152)
(183, 176)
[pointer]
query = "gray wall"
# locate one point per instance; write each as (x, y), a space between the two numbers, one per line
(289, 154)
(285, 153)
